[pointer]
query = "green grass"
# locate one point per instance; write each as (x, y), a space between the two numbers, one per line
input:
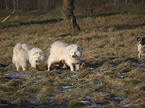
(112, 76)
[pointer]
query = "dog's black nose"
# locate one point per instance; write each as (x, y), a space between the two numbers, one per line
(74, 56)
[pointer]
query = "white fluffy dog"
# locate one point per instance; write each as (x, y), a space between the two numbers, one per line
(36, 56)
(22, 53)
(70, 54)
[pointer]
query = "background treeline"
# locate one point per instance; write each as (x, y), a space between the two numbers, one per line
(30, 4)
(48, 5)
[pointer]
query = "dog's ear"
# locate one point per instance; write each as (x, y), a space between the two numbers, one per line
(35, 53)
(40, 53)
(69, 47)
(78, 48)
(138, 38)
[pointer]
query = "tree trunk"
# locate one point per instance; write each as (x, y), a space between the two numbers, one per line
(7, 4)
(38, 5)
(68, 16)
(126, 1)
(17, 4)
(14, 5)
(142, 1)
(114, 2)
(47, 7)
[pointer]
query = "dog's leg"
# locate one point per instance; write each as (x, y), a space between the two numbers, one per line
(33, 64)
(49, 66)
(71, 66)
(23, 67)
(139, 55)
(139, 46)
(18, 67)
(77, 66)
(64, 66)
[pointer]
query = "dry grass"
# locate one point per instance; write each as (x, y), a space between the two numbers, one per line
(111, 77)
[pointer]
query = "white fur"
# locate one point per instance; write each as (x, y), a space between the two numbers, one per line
(20, 55)
(141, 50)
(139, 46)
(36, 56)
(71, 54)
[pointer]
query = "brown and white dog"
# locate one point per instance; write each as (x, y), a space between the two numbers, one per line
(140, 46)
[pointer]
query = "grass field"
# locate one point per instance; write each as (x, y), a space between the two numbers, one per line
(112, 76)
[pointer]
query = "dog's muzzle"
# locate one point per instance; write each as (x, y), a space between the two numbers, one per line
(75, 56)
(37, 61)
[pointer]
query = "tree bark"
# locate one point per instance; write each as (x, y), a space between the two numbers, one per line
(17, 4)
(142, 1)
(7, 4)
(68, 16)
(14, 4)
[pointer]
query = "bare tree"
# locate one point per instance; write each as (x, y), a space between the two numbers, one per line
(17, 4)
(68, 16)
(7, 4)
(38, 5)
(126, 1)
(14, 4)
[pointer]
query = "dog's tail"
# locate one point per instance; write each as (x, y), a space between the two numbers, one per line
(17, 47)
(25, 47)
(16, 50)
(20, 48)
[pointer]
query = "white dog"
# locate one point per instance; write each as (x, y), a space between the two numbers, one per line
(20, 55)
(36, 56)
(70, 54)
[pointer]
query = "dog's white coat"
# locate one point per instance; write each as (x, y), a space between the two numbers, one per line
(22, 53)
(139, 46)
(36, 56)
(71, 54)
(141, 50)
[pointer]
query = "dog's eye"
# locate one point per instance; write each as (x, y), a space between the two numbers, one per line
(78, 49)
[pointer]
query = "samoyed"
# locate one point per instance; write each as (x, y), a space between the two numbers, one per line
(36, 57)
(70, 54)
(20, 55)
